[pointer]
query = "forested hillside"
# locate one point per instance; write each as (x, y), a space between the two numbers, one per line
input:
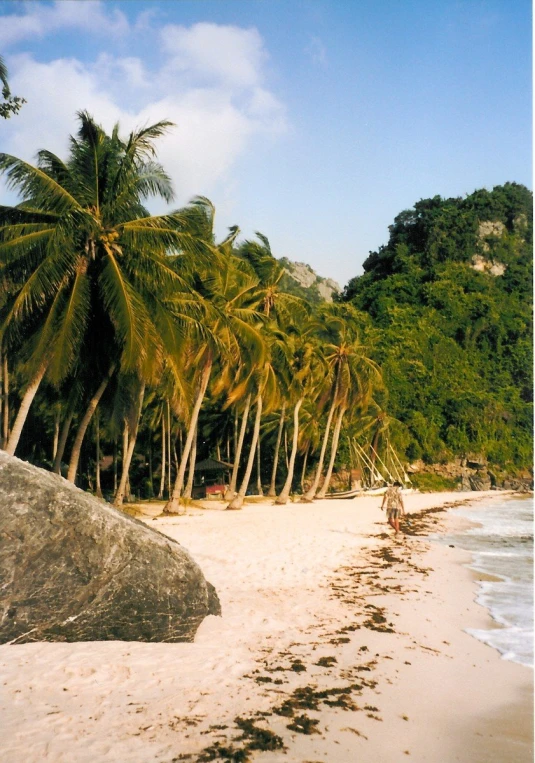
(448, 304)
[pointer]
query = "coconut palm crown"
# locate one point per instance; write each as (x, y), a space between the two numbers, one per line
(82, 262)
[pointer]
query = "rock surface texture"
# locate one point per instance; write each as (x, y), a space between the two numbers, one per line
(73, 568)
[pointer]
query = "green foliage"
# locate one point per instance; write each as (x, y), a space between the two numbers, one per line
(427, 482)
(10, 104)
(455, 342)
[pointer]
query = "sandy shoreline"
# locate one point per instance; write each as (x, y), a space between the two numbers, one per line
(328, 626)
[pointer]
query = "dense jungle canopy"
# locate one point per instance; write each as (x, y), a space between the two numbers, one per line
(448, 305)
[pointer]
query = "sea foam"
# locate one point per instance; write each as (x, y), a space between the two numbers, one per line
(502, 546)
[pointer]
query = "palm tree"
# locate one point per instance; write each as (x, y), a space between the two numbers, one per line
(131, 424)
(283, 309)
(265, 382)
(89, 264)
(272, 492)
(350, 372)
(229, 495)
(231, 322)
(304, 362)
(355, 373)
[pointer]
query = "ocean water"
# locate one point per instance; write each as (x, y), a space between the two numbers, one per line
(502, 545)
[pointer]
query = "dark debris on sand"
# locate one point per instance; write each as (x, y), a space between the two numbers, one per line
(351, 585)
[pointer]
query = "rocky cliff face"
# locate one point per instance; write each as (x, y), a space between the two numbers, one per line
(488, 232)
(73, 568)
(473, 473)
(304, 277)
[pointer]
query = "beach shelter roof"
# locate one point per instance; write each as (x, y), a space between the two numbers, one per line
(212, 465)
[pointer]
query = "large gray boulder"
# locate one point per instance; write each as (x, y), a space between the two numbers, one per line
(73, 568)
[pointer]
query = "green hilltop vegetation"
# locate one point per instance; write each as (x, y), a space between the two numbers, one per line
(448, 306)
(134, 346)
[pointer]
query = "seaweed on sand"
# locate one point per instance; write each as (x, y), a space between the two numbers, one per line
(304, 725)
(258, 738)
(253, 738)
(326, 662)
(307, 698)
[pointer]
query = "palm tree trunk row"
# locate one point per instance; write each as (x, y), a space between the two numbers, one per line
(172, 506)
(311, 492)
(334, 449)
(237, 501)
(272, 487)
(285, 492)
(82, 428)
(229, 495)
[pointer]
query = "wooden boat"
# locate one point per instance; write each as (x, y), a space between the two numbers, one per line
(360, 493)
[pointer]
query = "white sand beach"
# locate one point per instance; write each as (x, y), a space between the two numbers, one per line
(361, 636)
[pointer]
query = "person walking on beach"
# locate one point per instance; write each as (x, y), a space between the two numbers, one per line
(394, 505)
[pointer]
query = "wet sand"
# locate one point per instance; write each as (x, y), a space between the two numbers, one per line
(337, 643)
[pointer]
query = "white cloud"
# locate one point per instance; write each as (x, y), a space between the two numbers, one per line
(219, 105)
(227, 54)
(40, 20)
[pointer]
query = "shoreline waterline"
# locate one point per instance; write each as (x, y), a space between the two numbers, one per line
(320, 606)
(499, 538)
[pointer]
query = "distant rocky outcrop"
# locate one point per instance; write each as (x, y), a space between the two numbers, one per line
(301, 279)
(473, 473)
(73, 568)
(493, 267)
(488, 232)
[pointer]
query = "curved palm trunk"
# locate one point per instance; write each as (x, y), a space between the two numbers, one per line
(5, 401)
(55, 439)
(374, 450)
(115, 483)
(164, 458)
(191, 473)
(129, 452)
(151, 472)
(169, 452)
(311, 492)
(272, 492)
(237, 501)
(229, 495)
(23, 411)
(172, 505)
(334, 449)
(258, 468)
(285, 492)
(80, 434)
(304, 469)
(98, 488)
(60, 450)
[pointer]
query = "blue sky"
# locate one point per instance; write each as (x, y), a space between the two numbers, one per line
(313, 122)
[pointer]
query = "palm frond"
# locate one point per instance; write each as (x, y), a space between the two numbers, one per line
(69, 335)
(34, 183)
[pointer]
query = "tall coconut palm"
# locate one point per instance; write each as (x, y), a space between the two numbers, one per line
(272, 492)
(265, 382)
(131, 429)
(231, 323)
(283, 309)
(356, 376)
(304, 361)
(229, 494)
(349, 370)
(329, 394)
(88, 260)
